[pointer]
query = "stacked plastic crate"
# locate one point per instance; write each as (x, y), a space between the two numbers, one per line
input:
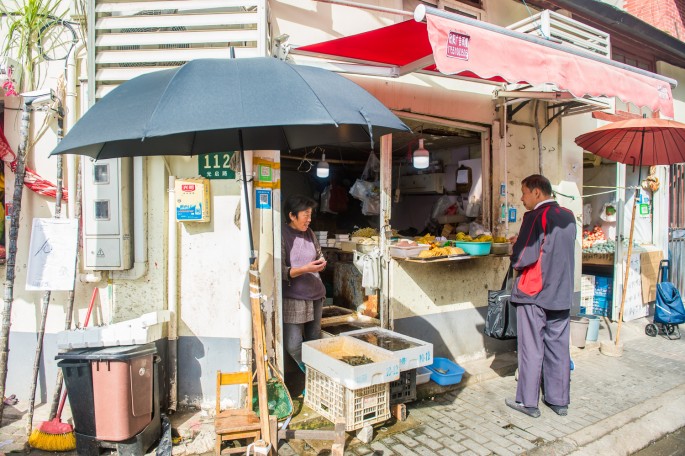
(587, 293)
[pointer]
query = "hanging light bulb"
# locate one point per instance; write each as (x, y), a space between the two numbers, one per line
(421, 158)
(322, 168)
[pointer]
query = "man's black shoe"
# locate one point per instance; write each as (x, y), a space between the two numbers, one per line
(530, 411)
(561, 410)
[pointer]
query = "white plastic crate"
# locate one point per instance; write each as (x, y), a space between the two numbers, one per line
(423, 375)
(410, 358)
(324, 355)
(587, 285)
(358, 407)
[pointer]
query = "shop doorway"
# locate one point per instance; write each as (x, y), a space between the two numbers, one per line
(430, 200)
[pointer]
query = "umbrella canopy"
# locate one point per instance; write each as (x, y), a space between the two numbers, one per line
(204, 105)
(638, 142)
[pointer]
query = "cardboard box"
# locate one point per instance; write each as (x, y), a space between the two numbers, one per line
(192, 200)
(649, 269)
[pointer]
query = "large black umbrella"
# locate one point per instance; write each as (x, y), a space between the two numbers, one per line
(202, 107)
(212, 105)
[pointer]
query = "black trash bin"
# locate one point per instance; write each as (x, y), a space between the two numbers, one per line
(79, 383)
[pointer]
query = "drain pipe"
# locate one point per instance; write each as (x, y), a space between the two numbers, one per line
(245, 308)
(172, 297)
(70, 104)
(139, 224)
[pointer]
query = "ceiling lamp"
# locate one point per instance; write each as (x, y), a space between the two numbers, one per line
(421, 158)
(322, 169)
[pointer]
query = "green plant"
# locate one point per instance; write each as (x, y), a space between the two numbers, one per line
(32, 31)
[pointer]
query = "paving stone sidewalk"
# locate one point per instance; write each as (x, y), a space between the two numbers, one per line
(475, 420)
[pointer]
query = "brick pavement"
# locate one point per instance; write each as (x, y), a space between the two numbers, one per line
(475, 421)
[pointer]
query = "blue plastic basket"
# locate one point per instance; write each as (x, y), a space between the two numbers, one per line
(452, 371)
(474, 248)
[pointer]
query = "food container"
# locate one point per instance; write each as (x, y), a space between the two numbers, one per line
(413, 353)
(474, 248)
(501, 248)
(325, 356)
(348, 246)
(423, 375)
(342, 237)
(408, 251)
(445, 372)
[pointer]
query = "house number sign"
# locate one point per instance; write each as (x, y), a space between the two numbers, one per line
(215, 165)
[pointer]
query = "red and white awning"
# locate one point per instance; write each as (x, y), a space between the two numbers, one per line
(460, 46)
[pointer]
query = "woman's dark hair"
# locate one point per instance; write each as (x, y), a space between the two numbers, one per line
(296, 204)
(538, 181)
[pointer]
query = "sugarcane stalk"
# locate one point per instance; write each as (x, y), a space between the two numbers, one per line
(12, 251)
(46, 294)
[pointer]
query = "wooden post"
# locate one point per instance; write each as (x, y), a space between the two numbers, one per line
(627, 274)
(258, 348)
(338, 448)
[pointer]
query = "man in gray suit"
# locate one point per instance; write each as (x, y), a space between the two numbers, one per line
(543, 254)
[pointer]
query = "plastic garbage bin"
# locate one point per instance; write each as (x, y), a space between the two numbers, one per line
(79, 384)
(593, 327)
(122, 389)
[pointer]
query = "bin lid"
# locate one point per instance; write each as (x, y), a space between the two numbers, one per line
(118, 353)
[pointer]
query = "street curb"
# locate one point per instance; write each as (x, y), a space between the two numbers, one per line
(626, 432)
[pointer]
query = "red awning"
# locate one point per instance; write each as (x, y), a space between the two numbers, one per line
(467, 50)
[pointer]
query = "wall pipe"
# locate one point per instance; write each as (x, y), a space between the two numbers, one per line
(172, 296)
(245, 254)
(139, 224)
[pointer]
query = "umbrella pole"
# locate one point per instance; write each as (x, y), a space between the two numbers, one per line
(257, 320)
(630, 242)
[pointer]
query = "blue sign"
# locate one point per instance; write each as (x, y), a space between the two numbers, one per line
(263, 199)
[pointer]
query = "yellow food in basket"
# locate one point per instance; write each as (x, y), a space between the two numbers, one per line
(441, 251)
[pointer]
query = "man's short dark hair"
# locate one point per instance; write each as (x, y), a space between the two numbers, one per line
(538, 181)
(296, 204)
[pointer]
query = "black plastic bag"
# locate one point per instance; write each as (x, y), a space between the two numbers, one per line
(500, 322)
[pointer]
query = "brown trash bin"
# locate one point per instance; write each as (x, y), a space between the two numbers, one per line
(122, 391)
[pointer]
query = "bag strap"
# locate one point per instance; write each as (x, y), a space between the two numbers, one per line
(508, 283)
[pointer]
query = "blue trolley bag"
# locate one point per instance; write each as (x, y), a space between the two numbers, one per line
(669, 305)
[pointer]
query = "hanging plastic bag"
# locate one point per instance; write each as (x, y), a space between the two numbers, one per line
(473, 208)
(326, 200)
(441, 206)
(372, 168)
(371, 206)
(608, 213)
(361, 189)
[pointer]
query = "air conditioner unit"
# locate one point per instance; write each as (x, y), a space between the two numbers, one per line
(422, 183)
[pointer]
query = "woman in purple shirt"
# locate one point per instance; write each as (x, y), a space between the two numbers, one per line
(303, 290)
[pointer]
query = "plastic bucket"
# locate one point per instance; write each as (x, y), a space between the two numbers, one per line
(579, 330)
(593, 327)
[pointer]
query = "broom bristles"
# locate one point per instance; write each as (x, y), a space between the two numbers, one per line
(53, 436)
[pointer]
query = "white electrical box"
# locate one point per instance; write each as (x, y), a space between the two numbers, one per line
(107, 207)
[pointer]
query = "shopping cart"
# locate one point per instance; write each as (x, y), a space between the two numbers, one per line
(668, 311)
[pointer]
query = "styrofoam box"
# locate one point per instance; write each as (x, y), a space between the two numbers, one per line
(406, 252)
(323, 354)
(142, 330)
(410, 358)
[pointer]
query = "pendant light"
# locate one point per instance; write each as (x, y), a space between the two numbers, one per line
(421, 158)
(322, 169)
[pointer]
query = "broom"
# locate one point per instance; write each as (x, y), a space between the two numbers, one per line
(54, 435)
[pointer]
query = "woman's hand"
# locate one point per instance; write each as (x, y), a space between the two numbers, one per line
(315, 266)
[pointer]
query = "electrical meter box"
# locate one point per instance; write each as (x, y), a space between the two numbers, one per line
(192, 199)
(107, 208)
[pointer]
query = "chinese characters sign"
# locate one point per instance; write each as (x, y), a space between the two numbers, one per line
(215, 165)
(458, 45)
